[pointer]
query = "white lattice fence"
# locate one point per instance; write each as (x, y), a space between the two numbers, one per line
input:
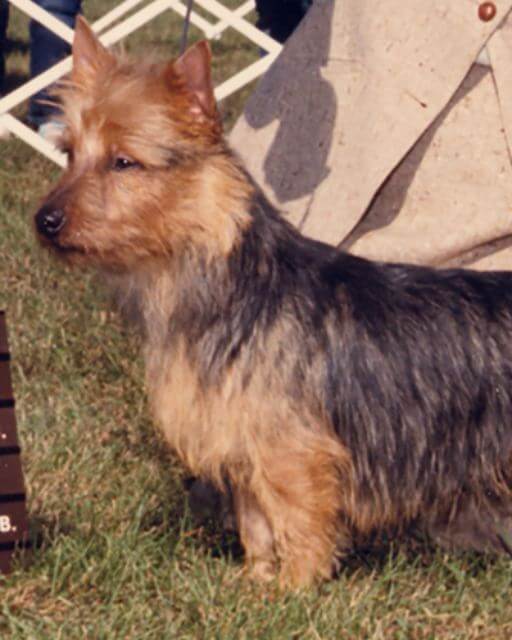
(222, 18)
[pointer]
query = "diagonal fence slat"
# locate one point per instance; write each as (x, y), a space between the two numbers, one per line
(241, 11)
(240, 79)
(224, 18)
(41, 15)
(115, 14)
(245, 28)
(33, 139)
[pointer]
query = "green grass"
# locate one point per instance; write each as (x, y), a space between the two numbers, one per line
(117, 555)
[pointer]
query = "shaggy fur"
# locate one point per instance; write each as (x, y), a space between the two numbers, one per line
(336, 396)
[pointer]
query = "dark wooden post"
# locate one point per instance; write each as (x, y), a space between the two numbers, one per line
(13, 515)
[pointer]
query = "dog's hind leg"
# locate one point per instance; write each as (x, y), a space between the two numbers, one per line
(479, 522)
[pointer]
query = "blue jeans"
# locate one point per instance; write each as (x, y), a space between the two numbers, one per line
(4, 15)
(280, 17)
(46, 49)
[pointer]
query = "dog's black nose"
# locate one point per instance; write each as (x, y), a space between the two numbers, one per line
(49, 221)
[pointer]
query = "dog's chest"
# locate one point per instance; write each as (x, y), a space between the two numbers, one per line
(202, 424)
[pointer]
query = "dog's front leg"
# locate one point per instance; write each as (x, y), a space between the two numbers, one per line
(256, 536)
(293, 507)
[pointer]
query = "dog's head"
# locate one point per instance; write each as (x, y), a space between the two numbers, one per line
(148, 173)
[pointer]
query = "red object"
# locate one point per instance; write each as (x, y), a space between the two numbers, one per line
(487, 11)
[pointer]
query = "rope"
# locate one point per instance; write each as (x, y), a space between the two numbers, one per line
(186, 25)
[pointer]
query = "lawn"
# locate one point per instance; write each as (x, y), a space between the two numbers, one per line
(116, 552)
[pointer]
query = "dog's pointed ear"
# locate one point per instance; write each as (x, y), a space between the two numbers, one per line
(89, 54)
(194, 67)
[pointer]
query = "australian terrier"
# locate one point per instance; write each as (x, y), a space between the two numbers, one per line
(334, 396)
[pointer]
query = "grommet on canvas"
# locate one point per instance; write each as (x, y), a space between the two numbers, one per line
(487, 11)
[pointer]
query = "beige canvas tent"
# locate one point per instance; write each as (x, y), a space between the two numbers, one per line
(386, 128)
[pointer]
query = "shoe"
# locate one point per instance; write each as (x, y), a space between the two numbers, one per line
(51, 131)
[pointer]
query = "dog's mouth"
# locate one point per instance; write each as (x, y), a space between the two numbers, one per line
(66, 249)
(76, 255)
(57, 244)
(61, 247)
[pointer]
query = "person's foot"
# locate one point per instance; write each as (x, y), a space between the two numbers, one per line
(51, 131)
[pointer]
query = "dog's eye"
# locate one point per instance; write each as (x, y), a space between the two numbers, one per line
(122, 162)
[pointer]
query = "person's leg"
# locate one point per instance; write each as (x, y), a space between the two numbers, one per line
(279, 18)
(46, 49)
(4, 15)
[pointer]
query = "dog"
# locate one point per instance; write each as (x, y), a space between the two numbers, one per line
(334, 396)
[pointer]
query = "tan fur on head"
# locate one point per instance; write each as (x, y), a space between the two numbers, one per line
(180, 189)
